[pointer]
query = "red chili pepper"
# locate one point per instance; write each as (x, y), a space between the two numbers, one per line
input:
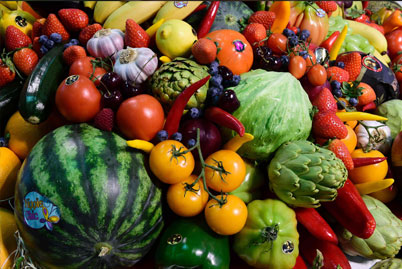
(300, 264)
(176, 112)
(329, 42)
(225, 119)
(333, 255)
(315, 224)
(208, 20)
(199, 8)
(358, 162)
(351, 212)
(365, 4)
(369, 106)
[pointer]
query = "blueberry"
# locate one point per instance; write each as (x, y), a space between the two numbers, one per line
(236, 80)
(303, 53)
(284, 59)
(67, 45)
(162, 135)
(49, 44)
(335, 85)
(56, 37)
(341, 105)
(303, 37)
(306, 33)
(214, 64)
(43, 39)
(287, 32)
(43, 49)
(231, 83)
(216, 80)
(213, 70)
(213, 95)
(337, 93)
(340, 64)
(293, 41)
(74, 41)
(177, 136)
(353, 101)
(3, 142)
(191, 143)
(195, 113)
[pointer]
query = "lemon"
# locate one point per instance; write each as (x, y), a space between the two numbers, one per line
(175, 38)
(9, 167)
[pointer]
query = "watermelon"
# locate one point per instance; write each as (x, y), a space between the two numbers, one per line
(86, 200)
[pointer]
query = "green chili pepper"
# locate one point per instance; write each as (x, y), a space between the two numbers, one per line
(190, 243)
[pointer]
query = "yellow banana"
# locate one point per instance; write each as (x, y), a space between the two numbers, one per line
(383, 58)
(174, 10)
(375, 37)
(151, 31)
(337, 12)
(10, 4)
(139, 11)
(104, 8)
(90, 4)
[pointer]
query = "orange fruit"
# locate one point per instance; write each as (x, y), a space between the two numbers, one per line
(8, 243)
(371, 172)
(350, 140)
(385, 195)
(9, 167)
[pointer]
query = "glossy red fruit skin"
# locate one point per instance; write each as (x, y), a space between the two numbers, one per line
(394, 40)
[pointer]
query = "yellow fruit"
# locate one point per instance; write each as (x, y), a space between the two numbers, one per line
(8, 243)
(23, 135)
(9, 167)
(385, 195)
(175, 38)
(350, 140)
(18, 18)
(367, 173)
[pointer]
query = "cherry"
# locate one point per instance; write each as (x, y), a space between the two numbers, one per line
(129, 90)
(228, 101)
(112, 99)
(112, 81)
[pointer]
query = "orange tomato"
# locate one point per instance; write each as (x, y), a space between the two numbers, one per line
(184, 202)
(227, 219)
(371, 172)
(351, 139)
(385, 195)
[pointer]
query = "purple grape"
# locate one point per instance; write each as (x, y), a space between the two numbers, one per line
(228, 101)
(129, 90)
(112, 99)
(112, 81)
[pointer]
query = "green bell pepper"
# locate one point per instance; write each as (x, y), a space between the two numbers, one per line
(190, 243)
(270, 238)
(251, 187)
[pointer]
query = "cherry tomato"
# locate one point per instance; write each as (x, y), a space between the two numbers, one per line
(394, 40)
(297, 66)
(227, 219)
(140, 117)
(229, 161)
(83, 66)
(372, 172)
(277, 42)
(187, 203)
(317, 75)
(77, 99)
(351, 139)
(169, 164)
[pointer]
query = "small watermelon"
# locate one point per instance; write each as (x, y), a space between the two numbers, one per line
(85, 200)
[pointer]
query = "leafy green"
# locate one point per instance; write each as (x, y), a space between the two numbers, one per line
(392, 110)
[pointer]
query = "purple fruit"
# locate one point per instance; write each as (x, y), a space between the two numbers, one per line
(228, 101)
(129, 90)
(225, 72)
(112, 99)
(112, 81)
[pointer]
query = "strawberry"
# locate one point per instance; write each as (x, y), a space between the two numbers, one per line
(15, 38)
(353, 64)
(254, 33)
(204, 51)
(266, 18)
(7, 71)
(321, 141)
(341, 152)
(72, 53)
(135, 36)
(327, 6)
(36, 46)
(36, 29)
(328, 125)
(337, 73)
(325, 101)
(104, 119)
(25, 60)
(87, 33)
(53, 25)
(73, 19)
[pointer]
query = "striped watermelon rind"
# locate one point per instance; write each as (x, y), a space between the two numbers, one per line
(105, 196)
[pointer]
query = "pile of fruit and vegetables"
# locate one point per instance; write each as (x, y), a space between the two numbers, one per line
(200, 134)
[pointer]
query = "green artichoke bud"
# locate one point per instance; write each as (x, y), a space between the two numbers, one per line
(303, 174)
(386, 240)
(174, 77)
(392, 263)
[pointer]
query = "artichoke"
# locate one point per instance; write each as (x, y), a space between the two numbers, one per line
(175, 76)
(303, 174)
(392, 263)
(386, 240)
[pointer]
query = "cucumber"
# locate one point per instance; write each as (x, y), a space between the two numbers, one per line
(37, 96)
(9, 101)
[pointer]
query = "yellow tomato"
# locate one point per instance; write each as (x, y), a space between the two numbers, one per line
(371, 172)
(187, 203)
(227, 219)
(233, 171)
(169, 164)
(351, 139)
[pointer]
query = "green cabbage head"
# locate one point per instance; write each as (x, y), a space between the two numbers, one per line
(274, 108)
(392, 110)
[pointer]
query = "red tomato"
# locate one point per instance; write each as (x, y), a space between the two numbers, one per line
(394, 40)
(277, 42)
(77, 99)
(297, 66)
(83, 66)
(317, 75)
(140, 117)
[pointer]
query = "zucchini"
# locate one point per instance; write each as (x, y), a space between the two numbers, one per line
(9, 101)
(37, 96)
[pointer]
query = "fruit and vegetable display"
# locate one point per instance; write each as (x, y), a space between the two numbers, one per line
(200, 134)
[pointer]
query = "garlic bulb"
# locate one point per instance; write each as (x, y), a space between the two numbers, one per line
(374, 135)
(105, 42)
(135, 64)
